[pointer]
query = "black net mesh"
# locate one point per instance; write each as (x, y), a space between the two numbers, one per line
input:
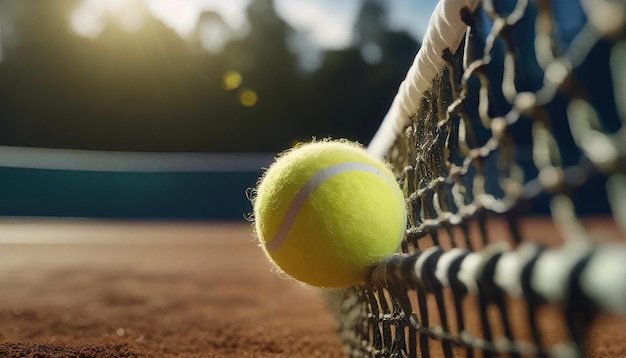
(525, 116)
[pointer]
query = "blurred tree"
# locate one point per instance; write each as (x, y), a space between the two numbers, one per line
(150, 90)
(358, 83)
(119, 91)
(370, 26)
(269, 69)
(29, 75)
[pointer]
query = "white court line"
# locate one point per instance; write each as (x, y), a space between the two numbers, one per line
(126, 161)
(71, 231)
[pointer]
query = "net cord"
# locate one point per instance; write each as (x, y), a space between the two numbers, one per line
(445, 31)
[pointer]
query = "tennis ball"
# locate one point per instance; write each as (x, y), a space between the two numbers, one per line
(326, 212)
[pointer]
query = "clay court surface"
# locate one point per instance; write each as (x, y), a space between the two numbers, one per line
(122, 289)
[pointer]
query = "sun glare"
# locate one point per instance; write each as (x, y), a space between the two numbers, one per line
(248, 98)
(231, 80)
(91, 16)
(180, 15)
(215, 21)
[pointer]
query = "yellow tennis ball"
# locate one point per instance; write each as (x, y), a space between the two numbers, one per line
(326, 212)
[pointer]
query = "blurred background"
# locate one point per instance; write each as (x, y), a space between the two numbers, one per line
(170, 108)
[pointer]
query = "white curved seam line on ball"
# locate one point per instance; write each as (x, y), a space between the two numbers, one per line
(307, 189)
